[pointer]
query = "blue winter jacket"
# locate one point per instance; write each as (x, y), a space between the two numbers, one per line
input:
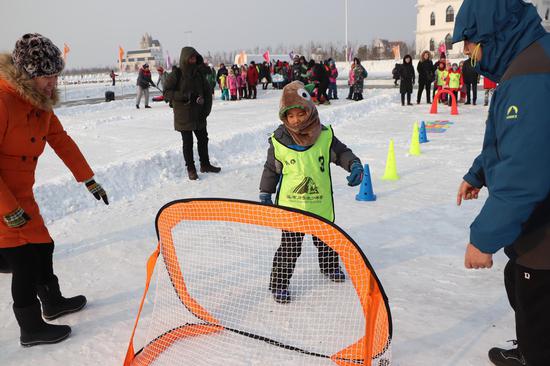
(514, 163)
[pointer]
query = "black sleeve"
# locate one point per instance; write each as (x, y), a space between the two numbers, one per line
(207, 95)
(342, 155)
(270, 175)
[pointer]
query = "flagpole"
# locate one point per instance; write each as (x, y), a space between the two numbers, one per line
(346, 24)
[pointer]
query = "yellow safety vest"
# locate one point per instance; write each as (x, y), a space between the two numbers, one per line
(306, 183)
(441, 77)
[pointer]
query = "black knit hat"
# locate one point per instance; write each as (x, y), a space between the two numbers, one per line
(37, 56)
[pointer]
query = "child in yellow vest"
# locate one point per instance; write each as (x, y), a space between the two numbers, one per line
(224, 87)
(440, 79)
(297, 168)
(454, 81)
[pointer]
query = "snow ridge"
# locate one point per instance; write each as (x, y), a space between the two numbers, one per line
(124, 180)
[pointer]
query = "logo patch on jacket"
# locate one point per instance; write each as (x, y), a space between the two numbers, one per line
(512, 113)
(307, 186)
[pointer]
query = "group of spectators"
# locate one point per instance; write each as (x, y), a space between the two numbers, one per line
(461, 79)
(319, 78)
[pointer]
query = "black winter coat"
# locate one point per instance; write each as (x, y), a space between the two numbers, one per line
(469, 74)
(426, 71)
(321, 75)
(406, 77)
(192, 100)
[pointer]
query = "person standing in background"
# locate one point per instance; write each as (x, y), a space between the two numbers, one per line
(426, 75)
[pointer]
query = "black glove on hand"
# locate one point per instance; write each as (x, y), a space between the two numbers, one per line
(17, 218)
(97, 190)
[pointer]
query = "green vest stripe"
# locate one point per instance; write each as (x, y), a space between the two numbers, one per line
(306, 183)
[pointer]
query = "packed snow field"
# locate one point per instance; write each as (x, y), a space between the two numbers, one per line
(414, 234)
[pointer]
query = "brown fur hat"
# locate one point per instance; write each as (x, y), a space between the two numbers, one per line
(37, 56)
(295, 96)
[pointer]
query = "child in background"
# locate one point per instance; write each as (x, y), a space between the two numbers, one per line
(242, 83)
(333, 75)
(454, 82)
(223, 87)
(351, 80)
(303, 139)
(232, 84)
(440, 79)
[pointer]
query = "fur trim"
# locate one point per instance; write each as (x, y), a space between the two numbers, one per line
(24, 86)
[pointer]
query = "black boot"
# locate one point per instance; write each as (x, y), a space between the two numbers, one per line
(192, 173)
(209, 168)
(507, 357)
(54, 304)
(4, 268)
(34, 330)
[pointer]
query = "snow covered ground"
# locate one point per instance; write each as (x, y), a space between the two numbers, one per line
(414, 235)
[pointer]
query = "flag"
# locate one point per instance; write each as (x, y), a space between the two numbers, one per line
(396, 49)
(120, 57)
(291, 55)
(266, 56)
(66, 50)
(442, 48)
(241, 58)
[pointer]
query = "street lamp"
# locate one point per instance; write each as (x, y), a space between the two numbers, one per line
(346, 24)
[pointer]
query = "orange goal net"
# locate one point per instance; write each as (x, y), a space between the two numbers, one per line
(242, 283)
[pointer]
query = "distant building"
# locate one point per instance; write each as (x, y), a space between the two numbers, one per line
(435, 23)
(384, 49)
(150, 52)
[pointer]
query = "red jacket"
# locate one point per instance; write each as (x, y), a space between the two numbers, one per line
(488, 83)
(252, 75)
(26, 125)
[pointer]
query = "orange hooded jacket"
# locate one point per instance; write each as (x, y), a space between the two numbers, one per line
(27, 122)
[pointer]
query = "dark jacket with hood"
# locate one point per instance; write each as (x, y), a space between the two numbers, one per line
(406, 76)
(190, 88)
(514, 164)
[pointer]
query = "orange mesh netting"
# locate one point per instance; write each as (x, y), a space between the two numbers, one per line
(222, 261)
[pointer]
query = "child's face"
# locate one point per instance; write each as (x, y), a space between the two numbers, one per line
(295, 116)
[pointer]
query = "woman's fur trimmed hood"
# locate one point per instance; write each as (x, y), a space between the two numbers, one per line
(24, 85)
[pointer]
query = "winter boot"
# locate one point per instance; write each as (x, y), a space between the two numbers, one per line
(282, 296)
(507, 357)
(192, 172)
(209, 168)
(34, 330)
(4, 267)
(335, 275)
(54, 304)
